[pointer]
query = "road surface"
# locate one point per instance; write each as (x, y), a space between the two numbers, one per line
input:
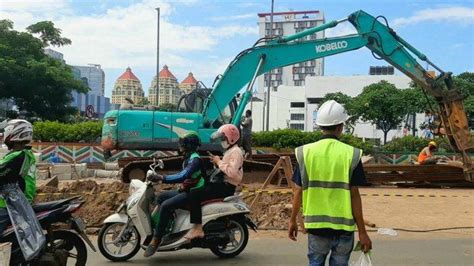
(272, 248)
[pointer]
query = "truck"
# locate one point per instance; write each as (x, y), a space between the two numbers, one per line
(205, 110)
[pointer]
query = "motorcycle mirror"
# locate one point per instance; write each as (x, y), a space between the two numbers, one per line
(160, 164)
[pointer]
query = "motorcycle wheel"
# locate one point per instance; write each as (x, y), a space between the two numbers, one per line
(71, 243)
(239, 235)
(114, 229)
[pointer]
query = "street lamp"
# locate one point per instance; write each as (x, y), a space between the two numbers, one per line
(157, 56)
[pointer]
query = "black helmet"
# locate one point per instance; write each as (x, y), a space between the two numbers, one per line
(190, 142)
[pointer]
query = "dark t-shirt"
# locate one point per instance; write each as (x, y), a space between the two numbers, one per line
(358, 179)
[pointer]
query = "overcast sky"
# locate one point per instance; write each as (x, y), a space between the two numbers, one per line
(204, 36)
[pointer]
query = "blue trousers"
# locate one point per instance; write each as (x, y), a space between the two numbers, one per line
(339, 246)
(168, 201)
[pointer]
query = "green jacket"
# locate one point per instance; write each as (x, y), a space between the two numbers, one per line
(19, 167)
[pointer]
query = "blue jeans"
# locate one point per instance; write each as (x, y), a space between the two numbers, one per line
(4, 219)
(339, 246)
(169, 201)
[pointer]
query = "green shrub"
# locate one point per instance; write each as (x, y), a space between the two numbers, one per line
(53, 131)
(414, 144)
(292, 138)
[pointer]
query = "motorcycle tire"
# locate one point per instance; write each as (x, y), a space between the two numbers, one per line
(245, 238)
(110, 257)
(71, 240)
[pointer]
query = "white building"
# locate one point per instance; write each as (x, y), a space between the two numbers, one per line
(287, 23)
(296, 106)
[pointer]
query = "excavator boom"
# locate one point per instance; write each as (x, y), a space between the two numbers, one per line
(371, 33)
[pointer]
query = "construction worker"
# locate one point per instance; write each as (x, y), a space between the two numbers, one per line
(326, 179)
(247, 134)
(426, 155)
(17, 166)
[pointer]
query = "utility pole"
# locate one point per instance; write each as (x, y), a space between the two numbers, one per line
(269, 74)
(157, 56)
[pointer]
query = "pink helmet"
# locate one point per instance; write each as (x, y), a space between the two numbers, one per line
(227, 132)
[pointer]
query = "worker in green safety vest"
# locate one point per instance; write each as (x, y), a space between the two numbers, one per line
(17, 166)
(326, 186)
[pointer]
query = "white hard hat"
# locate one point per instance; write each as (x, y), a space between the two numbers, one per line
(331, 113)
(18, 130)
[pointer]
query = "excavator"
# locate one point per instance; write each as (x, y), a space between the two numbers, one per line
(145, 128)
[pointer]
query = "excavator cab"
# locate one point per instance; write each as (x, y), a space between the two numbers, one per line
(193, 102)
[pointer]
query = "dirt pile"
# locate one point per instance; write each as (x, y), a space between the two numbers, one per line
(271, 211)
(101, 199)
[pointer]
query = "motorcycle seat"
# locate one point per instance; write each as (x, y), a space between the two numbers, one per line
(211, 201)
(45, 206)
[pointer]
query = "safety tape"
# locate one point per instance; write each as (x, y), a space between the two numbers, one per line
(79, 193)
(271, 191)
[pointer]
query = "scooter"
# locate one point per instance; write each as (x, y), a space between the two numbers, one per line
(123, 233)
(65, 235)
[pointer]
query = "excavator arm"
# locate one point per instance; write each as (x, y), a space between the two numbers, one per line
(371, 33)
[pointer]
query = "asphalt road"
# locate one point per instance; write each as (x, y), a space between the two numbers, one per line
(404, 249)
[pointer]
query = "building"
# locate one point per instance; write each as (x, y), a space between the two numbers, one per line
(188, 84)
(54, 54)
(169, 88)
(95, 77)
(128, 86)
(287, 23)
(296, 106)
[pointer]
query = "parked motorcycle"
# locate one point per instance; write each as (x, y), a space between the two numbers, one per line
(123, 233)
(65, 235)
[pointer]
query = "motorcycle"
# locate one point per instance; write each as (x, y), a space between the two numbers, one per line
(65, 235)
(123, 233)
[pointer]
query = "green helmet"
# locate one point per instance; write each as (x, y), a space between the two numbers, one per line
(190, 142)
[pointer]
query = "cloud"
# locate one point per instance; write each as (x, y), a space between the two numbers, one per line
(464, 15)
(235, 17)
(28, 5)
(126, 36)
(341, 30)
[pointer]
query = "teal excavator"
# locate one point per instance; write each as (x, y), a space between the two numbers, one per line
(205, 110)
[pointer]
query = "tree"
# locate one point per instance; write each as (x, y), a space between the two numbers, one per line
(381, 104)
(144, 101)
(169, 107)
(39, 85)
(49, 35)
(348, 103)
(418, 102)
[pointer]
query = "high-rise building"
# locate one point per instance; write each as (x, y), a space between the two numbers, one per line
(169, 88)
(128, 86)
(188, 84)
(287, 23)
(95, 78)
(54, 54)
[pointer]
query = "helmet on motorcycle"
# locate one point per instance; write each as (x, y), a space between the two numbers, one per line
(18, 130)
(190, 142)
(227, 132)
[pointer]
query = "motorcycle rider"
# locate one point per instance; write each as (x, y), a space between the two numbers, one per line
(17, 166)
(191, 177)
(231, 172)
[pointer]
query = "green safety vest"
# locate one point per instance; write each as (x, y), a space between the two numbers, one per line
(197, 174)
(326, 167)
(27, 172)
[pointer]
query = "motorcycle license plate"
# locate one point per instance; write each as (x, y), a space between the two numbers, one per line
(80, 223)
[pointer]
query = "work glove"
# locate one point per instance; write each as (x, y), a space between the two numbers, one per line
(153, 176)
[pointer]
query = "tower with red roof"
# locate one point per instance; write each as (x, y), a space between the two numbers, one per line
(128, 86)
(188, 84)
(169, 90)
